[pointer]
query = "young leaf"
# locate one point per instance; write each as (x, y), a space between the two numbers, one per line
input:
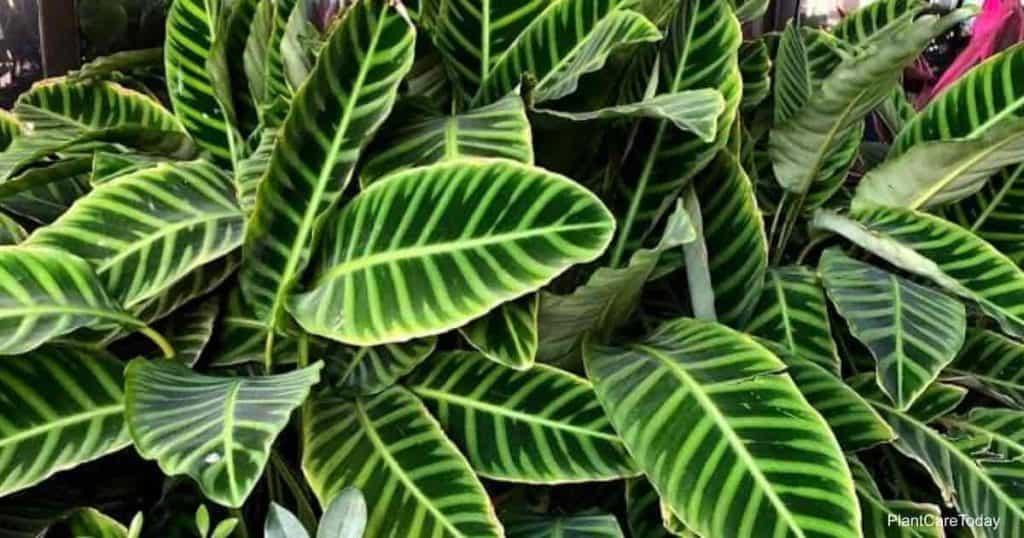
(541, 426)
(282, 524)
(218, 430)
(756, 68)
(413, 478)
(345, 516)
(505, 228)
(91, 523)
(694, 376)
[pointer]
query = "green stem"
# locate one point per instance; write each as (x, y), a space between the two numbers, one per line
(157, 339)
(242, 530)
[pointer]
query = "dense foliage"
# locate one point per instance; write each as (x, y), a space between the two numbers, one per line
(463, 268)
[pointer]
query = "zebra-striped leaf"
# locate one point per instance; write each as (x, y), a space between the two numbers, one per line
(691, 377)
(912, 331)
(860, 25)
(879, 513)
(91, 523)
(42, 429)
(700, 51)
(263, 60)
(415, 481)
(333, 115)
(364, 371)
(229, 51)
(508, 334)
(645, 511)
(190, 330)
(578, 526)
(1002, 429)
(252, 169)
(419, 136)
(217, 430)
(792, 74)
(792, 312)
(694, 111)
(561, 44)
(541, 426)
(11, 233)
(507, 229)
(173, 218)
(756, 68)
(941, 251)
(199, 88)
(990, 363)
(242, 338)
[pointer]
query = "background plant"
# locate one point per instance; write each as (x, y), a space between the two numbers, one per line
(459, 268)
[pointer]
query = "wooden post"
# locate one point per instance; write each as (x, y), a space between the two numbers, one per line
(58, 37)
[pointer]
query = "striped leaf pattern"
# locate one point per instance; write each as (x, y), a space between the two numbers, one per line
(700, 51)
(1002, 428)
(508, 334)
(941, 251)
(230, 46)
(912, 331)
(174, 219)
(976, 488)
(199, 282)
(192, 27)
(264, 63)
(991, 363)
(792, 74)
(756, 69)
(419, 136)
(345, 99)
(415, 481)
(242, 337)
(569, 39)
(506, 229)
(43, 429)
(878, 512)
(695, 401)
(364, 371)
(792, 312)
(991, 213)
(541, 426)
(217, 430)
(644, 511)
(190, 330)
(734, 236)
(579, 526)
(11, 233)
(253, 168)
(860, 25)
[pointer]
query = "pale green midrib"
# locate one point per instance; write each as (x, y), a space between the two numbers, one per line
(969, 462)
(165, 231)
(68, 311)
(227, 436)
(305, 228)
(510, 413)
(485, 49)
(538, 19)
(988, 378)
(421, 251)
(998, 199)
(1017, 445)
(61, 423)
(897, 324)
(959, 169)
(733, 439)
(566, 59)
(825, 150)
(787, 324)
(371, 434)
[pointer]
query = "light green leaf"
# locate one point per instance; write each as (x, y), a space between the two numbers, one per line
(694, 111)
(792, 312)
(941, 251)
(282, 524)
(91, 523)
(541, 426)
(174, 219)
(345, 516)
(990, 363)
(508, 334)
(43, 429)
(333, 115)
(879, 512)
(507, 229)
(417, 135)
(363, 371)
(578, 526)
(217, 430)
(414, 480)
(912, 331)
(11, 233)
(696, 400)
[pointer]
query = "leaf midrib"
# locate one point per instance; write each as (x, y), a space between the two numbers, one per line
(93, 413)
(162, 233)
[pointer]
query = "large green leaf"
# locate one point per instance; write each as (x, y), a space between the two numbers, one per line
(943, 252)
(880, 514)
(860, 25)
(189, 330)
(578, 526)
(263, 60)
(333, 115)
(792, 312)
(724, 435)
(541, 426)
(700, 51)
(363, 371)
(61, 407)
(991, 363)
(509, 333)
(977, 488)
(506, 229)
(912, 331)
(196, 93)
(418, 136)
(172, 219)
(567, 40)
(1003, 429)
(415, 481)
(46, 293)
(992, 213)
(218, 430)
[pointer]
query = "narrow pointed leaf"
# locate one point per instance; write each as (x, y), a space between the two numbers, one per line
(990, 363)
(508, 334)
(792, 75)
(363, 371)
(264, 64)
(880, 513)
(1002, 427)
(941, 251)
(692, 376)
(217, 430)
(465, 217)
(283, 524)
(42, 430)
(415, 481)
(91, 523)
(11, 233)
(345, 516)
(580, 526)
(541, 426)
(333, 115)
(174, 219)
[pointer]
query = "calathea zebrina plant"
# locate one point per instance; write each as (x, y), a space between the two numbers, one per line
(469, 268)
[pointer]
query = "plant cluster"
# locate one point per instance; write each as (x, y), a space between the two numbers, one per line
(543, 268)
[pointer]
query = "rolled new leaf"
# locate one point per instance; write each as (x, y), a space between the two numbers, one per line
(217, 430)
(503, 228)
(695, 401)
